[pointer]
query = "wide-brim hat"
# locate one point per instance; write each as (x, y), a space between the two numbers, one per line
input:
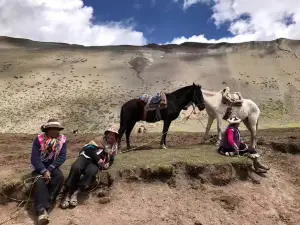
(234, 120)
(52, 123)
(114, 129)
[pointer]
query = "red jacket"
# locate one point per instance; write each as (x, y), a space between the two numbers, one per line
(231, 139)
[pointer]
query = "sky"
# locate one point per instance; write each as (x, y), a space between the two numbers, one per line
(140, 22)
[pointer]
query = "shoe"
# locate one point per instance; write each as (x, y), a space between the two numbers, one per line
(66, 202)
(43, 217)
(73, 199)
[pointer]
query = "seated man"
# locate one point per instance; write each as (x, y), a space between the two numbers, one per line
(232, 144)
(49, 151)
(94, 156)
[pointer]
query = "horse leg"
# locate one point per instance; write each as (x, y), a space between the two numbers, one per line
(253, 129)
(128, 132)
(210, 120)
(167, 124)
(247, 124)
(219, 129)
(121, 132)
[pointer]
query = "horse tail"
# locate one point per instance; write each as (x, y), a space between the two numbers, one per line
(258, 112)
(257, 124)
(121, 117)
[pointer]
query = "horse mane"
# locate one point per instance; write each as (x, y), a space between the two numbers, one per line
(182, 89)
(210, 93)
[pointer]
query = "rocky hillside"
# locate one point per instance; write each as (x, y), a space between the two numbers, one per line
(85, 86)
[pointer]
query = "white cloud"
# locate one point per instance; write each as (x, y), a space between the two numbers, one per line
(67, 21)
(153, 3)
(267, 20)
(188, 3)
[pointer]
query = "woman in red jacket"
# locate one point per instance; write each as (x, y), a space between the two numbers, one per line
(232, 144)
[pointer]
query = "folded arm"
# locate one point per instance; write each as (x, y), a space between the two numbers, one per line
(92, 153)
(60, 159)
(231, 139)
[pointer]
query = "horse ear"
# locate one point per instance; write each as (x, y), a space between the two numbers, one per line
(194, 84)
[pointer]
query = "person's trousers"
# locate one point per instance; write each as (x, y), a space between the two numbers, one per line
(45, 194)
(81, 175)
(243, 149)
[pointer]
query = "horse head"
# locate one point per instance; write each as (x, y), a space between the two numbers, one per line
(198, 98)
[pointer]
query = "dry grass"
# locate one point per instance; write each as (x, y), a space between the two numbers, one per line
(85, 89)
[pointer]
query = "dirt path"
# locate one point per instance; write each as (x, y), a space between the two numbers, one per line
(275, 201)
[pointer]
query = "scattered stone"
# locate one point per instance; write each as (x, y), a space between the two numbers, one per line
(104, 200)
(102, 193)
(72, 222)
(228, 202)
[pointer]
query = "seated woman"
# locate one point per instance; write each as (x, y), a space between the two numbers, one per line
(96, 155)
(232, 144)
(49, 151)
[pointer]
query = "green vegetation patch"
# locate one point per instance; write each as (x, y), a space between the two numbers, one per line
(273, 109)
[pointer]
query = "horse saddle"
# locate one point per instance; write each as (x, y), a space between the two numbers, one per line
(233, 99)
(152, 103)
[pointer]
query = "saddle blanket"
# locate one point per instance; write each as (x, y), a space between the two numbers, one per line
(151, 100)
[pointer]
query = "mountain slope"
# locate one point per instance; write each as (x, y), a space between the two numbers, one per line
(85, 87)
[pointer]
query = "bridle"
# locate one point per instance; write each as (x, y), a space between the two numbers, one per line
(195, 99)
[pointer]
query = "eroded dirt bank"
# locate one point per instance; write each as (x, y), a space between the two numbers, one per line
(185, 200)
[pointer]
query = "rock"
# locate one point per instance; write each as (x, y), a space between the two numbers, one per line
(227, 202)
(102, 193)
(197, 222)
(72, 222)
(104, 200)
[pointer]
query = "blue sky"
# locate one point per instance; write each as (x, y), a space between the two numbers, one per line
(160, 20)
(139, 22)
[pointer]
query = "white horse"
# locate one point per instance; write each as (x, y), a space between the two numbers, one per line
(248, 112)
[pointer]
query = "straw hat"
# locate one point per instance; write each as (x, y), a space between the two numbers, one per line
(114, 129)
(52, 123)
(234, 120)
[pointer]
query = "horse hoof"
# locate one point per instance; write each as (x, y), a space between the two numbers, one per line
(163, 147)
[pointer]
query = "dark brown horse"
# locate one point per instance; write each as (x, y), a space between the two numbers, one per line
(133, 111)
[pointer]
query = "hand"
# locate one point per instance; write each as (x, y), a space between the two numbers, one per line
(106, 166)
(101, 162)
(47, 176)
(236, 152)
